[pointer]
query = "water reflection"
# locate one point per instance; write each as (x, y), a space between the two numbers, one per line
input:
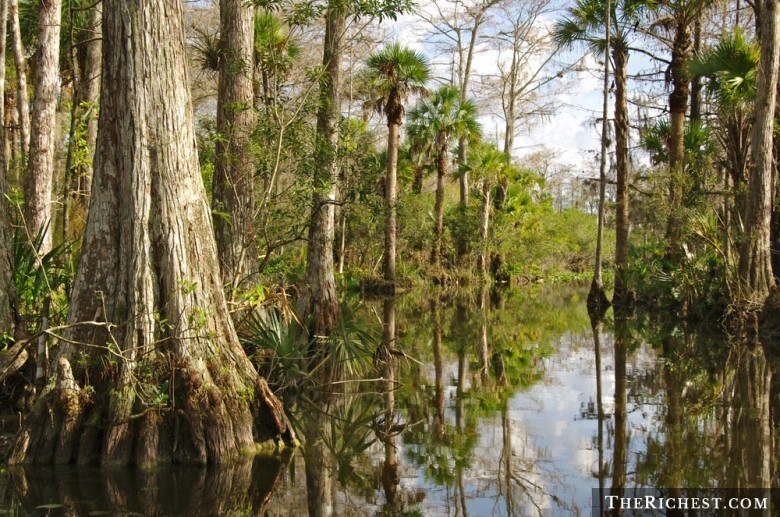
(490, 403)
(246, 487)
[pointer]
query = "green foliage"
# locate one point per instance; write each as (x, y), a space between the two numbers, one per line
(38, 277)
(730, 68)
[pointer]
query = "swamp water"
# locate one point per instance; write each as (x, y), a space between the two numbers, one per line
(507, 403)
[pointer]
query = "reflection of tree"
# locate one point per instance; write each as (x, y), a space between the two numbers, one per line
(597, 324)
(746, 421)
(390, 475)
(620, 452)
(245, 487)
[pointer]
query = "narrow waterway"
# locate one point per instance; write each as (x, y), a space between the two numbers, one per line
(503, 403)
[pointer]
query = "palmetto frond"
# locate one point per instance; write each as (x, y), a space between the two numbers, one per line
(730, 69)
(485, 162)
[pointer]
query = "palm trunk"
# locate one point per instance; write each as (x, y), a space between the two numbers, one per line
(40, 172)
(319, 298)
(172, 383)
(233, 189)
(484, 223)
(622, 296)
(390, 198)
(678, 106)
(441, 162)
(22, 99)
(755, 265)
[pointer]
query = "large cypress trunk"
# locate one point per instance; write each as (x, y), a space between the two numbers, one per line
(151, 370)
(755, 266)
(233, 193)
(319, 299)
(620, 57)
(40, 171)
(22, 99)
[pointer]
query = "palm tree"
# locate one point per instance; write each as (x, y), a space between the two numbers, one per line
(730, 69)
(678, 17)
(436, 121)
(585, 23)
(486, 164)
(394, 74)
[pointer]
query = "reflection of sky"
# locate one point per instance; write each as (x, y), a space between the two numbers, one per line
(554, 450)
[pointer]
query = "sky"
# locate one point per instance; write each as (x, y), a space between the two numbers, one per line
(572, 131)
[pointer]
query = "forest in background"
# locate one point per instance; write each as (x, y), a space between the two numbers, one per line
(178, 177)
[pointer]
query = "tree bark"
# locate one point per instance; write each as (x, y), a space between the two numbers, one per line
(755, 265)
(40, 171)
(233, 190)
(484, 226)
(319, 299)
(8, 308)
(3, 47)
(391, 186)
(621, 296)
(8, 313)
(442, 148)
(22, 99)
(151, 370)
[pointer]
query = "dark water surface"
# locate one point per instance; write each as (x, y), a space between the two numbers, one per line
(503, 404)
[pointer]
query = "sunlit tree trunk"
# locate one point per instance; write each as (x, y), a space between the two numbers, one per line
(40, 170)
(391, 185)
(484, 226)
(151, 370)
(22, 98)
(755, 265)
(233, 190)
(622, 296)
(319, 299)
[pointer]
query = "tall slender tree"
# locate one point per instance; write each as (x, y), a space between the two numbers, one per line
(395, 72)
(436, 121)
(319, 302)
(40, 170)
(20, 63)
(233, 188)
(147, 308)
(585, 23)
